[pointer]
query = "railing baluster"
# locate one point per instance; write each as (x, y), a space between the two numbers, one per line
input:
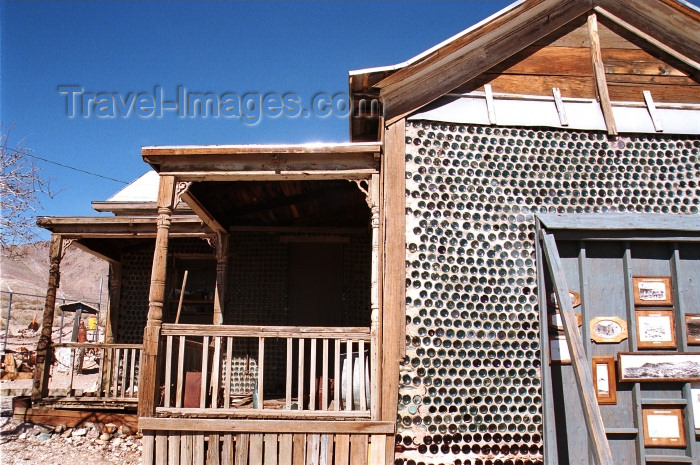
(336, 387)
(361, 361)
(125, 373)
(168, 369)
(300, 376)
(110, 372)
(261, 371)
(348, 376)
(288, 383)
(229, 367)
(215, 374)
(205, 369)
(133, 372)
(70, 377)
(115, 373)
(324, 377)
(100, 371)
(180, 371)
(312, 375)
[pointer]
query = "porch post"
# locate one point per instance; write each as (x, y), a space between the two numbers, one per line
(376, 401)
(221, 275)
(42, 370)
(114, 286)
(148, 376)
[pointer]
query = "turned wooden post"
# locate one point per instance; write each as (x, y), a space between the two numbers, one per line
(375, 401)
(221, 274)
(42, 370)
(114, 286)
(148, 376)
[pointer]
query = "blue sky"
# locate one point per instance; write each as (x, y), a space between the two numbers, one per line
(124, 48)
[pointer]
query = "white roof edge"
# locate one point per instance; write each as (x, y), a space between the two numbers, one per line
(689, 5)
(269, 146)
(441, 44)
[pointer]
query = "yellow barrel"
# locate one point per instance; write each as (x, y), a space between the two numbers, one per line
(92, 322)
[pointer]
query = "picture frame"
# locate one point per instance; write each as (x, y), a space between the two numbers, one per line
(656, 329)
(695, 400)
(554, 320)
(608, 329)
(656, 367)
(559, 351)
(604, 379)
(552, 299)
(652, 290)
(692, 328)
(663, 427)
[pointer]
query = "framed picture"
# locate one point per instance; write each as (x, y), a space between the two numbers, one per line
(692, 328)
(641, 367)
(663, 427)
(608, 329)
(656, 329)
(695, 395)
(575, 299)
(559, 351)
(556, 323)
(652, 290)
(604, 379)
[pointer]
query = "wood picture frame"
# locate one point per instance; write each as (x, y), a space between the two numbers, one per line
(652, 291)
(559, 351)
(658, 367)
(695, 401)
(604, 376)
(663, 427)
(656, 328)
(608, 329)
(554, 320)
(552, 299)
(692, 328)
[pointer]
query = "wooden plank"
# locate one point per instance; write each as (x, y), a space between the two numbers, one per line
(300, 376)
(270, 452)
(161, 448)
(581, 365)
(651, 107)
(249, 412)
(324, 377)
(242, 448)
(229, 368)
(173, 449)
(213, 451)
(115, 368)
(132, 375)
(375, 305)
(312, 376)
(306, 175)
(599, 70)
(186, 449)
(148, 448)
(299, 452)
(261, 426)
(358, 449)
(205, 368)
(361, 372)
(255, 454)
(198, 455)
(621, 221)
(569, 86)
(227, 456)
(168, 369)
(281, 332)
(326, 452)
(377, 450)
(490, 106)
(559, 103)
(342, 449)
(202, 213)
(285, 446)
(336, 387)
(104, 354)
(215, 373)
(348, 375)
(313, 442)
(288, 380)
(344, 148)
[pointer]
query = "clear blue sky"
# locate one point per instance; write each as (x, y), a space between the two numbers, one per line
(218, 47)
(124, 48)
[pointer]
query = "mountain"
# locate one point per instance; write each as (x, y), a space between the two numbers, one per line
(25, 269)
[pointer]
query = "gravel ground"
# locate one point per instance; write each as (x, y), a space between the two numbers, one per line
(90, 444)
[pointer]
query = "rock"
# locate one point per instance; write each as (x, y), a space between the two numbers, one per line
(93, 433)
(44, 437)
(126, 430)
(105, 437)
(79, 432)
(109, 428)
(101, 442)
(60, 428)
(117, 441)
(67, 433)
(23, 436)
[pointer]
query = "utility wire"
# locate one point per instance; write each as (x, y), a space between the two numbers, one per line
(66, 166)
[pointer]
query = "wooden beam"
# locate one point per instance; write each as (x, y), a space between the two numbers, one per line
(269, 175)
(621, 221)
(203, 213)
(265, 426)
(599, 71)
(40, 387)
(579, 361)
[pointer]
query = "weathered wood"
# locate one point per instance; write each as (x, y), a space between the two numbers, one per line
(299, 446)
(375, 314)
(324, 376)
(312, 375)
(282, 332)
(246, 175)
(267, 412)
(342, 449)
(179, 390)
(255, 453)
(198, 454)
(300, 376)
(621, 221)
(313, 442)
(336, 388)
(186, 449)
(114, 285)
(599, 72)
(168, 370)
(262, 426)
(148, 391)
(285, 449)
(161, 452)
(42, 369)
(581, 365)
(377, 450)
(559, 103)
(348, 375)
(222, 255)
(213, 453)
(358, 449)
(174, 449)
(227, 455)
(121, 227)
(270, 452)
(229, 369)
(205, 370)
(242, 448)
(261, 372)
(490, 107)
(651, 107)
(148, 449)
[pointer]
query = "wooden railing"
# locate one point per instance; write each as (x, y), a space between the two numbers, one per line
(266, 371)
(100, 371)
